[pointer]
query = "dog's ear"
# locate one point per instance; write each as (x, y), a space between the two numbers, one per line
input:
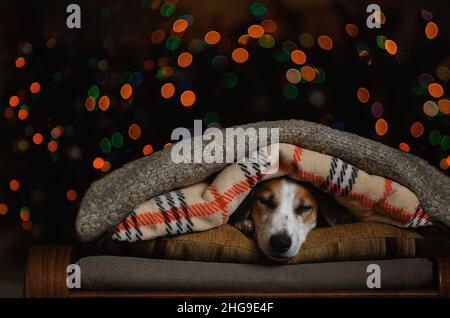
(328, 208)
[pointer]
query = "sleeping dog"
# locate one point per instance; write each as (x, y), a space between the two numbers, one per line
(282, 212)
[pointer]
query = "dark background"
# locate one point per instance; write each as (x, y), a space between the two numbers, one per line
(114, 43)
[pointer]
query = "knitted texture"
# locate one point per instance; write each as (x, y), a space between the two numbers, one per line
(110, 199)
(206, 205)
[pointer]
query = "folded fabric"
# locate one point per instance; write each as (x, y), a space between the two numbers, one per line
(344, 242)
(110, 199)
(208, 205)
(129, 273)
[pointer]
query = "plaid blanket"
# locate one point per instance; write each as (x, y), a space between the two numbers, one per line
(208, 205)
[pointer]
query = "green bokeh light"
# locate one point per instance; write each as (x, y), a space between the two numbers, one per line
(117, 140)
(105, 145)
(290, 91)
(167, 9)
(94, 91)
(434, 137)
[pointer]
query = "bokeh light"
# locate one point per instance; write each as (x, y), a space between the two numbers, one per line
(240, 55)
(417, 129)
(103, 103)
(71, 195)
(430, 108)
(293, 76)
(3, 209)
(212, 37)
(20, 62)
(98, 163)
(185, 59)
(381, 127)
(134, 131)
(269, 25)
(14, 185)
(325, 42)
(180, 26)
(431, 30)
(435, 90)
(38, 139)
(147, 149)
(298, 57)
(126, 91)
(404, 147)
(307, 73)
(14, 101)
(167, 90)
(390, 46)
(187, 98)
(352, 30)
(363, 95)
(255, 31)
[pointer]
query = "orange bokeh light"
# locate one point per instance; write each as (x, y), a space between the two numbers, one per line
(416, 129)
(212, 37)
(187, 98)
(180, 25)
(363, 95)
(269, 26)
(352, 30)
(298, 57)
(240, 55)
(308, 73)
(126, 91)
(98, 163)
(391, 47)
(167, 90)
(134, 131)
(38, 139)
(148, 149)
(14, 185)
(90, 103)
(71, 195)
(14, 101)
(444, 106)
(103, 103)
(404, 147)
(255, 31)
(381, 127)
(185, 59)
(20, 62)
(325, 42)
(243, 39)
(22, 114)
(435, 90)
(431, 30)
(158, 36)
(35, 87)
(3, 209)
(52, 146)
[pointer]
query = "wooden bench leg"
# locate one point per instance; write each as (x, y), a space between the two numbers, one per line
(46, 271)
(443, 265)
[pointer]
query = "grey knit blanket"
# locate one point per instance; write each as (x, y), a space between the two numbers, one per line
(110, 199)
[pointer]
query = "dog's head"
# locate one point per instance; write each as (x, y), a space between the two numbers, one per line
(283, 212)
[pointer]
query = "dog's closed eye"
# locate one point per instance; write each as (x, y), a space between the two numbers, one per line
(302, 208)
(268, 201)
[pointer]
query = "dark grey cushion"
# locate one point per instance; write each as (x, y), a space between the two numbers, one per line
(128, 273)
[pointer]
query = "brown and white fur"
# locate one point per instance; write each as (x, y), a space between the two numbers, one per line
(281, 214)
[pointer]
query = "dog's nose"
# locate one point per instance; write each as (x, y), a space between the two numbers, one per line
(280, 242)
